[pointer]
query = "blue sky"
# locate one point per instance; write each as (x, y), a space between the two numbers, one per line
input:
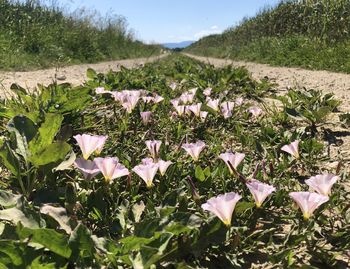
(178, 20)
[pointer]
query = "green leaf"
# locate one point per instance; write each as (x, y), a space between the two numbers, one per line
(8, 158)
(16, 215)
(8, 199)
(53, 153)
(199, 174)
(59, 214)
(54, 241)
(65, 165)
(81, 242)
(46, 132)
(91, 73)
(13, 253)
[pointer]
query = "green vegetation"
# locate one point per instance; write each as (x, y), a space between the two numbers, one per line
(33, 35)
(58, 210)
(309, 33)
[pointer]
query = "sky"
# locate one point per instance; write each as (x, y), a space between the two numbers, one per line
(161, 21)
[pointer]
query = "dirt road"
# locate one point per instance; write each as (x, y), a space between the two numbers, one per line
(326, 81)
(75, 74)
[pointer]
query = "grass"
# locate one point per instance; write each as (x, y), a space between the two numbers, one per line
(34, 35)
(310, 34)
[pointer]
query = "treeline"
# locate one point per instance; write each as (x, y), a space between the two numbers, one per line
(34, 35)
(309, 33)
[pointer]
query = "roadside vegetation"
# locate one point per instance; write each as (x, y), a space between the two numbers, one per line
(313, 34)
(35, 35)
(174, 164)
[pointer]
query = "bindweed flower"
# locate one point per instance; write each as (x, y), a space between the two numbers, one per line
(147, 161)
(175, 102)
(130, 102)
(232, 160)
(147, 99)
(180, 110)
(173, 85)
(147, 172)
(146, 117)
(259, 190)
(223, 206)
(194, 149)
(308, 202)
(213, 104)
(292, 149)
(196, 109)
(163, 166)
(186, 98)
(88, 168)
(111, 168)
(203, 115)
(90, 143)
(227, 108)
(322, 183)
(239, 101)
(153, 146)
(207, 91)
(157, 99)
(193, 91)
(255, 111)
(101, 90)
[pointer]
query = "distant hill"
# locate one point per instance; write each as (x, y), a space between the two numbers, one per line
(180, 45)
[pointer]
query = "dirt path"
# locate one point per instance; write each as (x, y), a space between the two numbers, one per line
(326, 81)
(75, 74)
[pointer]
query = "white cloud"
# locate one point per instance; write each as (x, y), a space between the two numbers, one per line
(212, 30)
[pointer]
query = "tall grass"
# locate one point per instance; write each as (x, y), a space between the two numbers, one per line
(308, 33)
(34, 35)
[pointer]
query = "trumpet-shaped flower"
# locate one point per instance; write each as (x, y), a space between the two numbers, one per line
(203, 115)
(259, 190)
(186, 98)
(147, 99)
(175, 102)
(196, 109)
(88, 168)
(255, 111)
(239, 101)
(227, 108)
(146, 117)
(232, 160)
(173, 85)
(101, 90)
(213, 104)
(223, 206)
(308, 202)
(147, 172)
(180, 109)
(153, 146)
(322, 183)
(130, 102)
(292, 149)
(111, 168)
(194, 149)
(163, 166)
(207, 91)
(157, 99)
(90, 143)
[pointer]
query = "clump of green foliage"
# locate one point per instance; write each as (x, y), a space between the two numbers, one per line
(34, 35)
(309, 33)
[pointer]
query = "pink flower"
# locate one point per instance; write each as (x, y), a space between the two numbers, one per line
(194, 149)
(173, 85)
(147, 99)
(146, 117)
(147, 161)
(111, 168)
(232, 160)
(203, 115)
(186, 98)
(157, 99)
(308, 201)
(89, 144)
(227, 108)
(180, 110)
(239, 101)
(153, 146)
(101, 90)
(147, 172)
(130, 102)
(259, 191)
(193, 91)
(322, 183)
(292, 149)
(175, 102)
(213, 104)
(163, 166)
(255, 111)
(223, 206)
(88, 168)
(196, 109)
(207, 91)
